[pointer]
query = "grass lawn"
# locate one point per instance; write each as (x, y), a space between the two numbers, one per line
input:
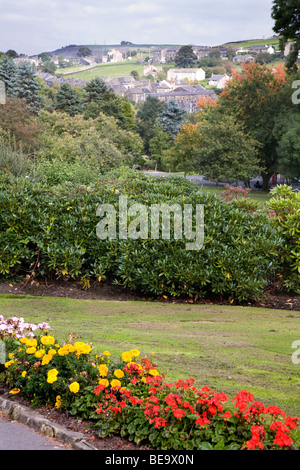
(121, 69)
(227, 347)
(259, 196)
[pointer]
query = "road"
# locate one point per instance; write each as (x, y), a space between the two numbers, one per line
(18, 436)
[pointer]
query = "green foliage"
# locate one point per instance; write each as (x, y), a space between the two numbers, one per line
(147, 117)
(285, 206)
(28, 88)
(8, 73)
(286, 14)
(68, 100)
(185, 57)
(237, 260)
(171, 118)
(288, 150)
(12, 160)
(217, 147)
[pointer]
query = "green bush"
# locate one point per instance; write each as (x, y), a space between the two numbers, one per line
(58, 226)
(285, 214)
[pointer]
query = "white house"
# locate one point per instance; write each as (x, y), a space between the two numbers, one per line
(180, 74)
(219, 81)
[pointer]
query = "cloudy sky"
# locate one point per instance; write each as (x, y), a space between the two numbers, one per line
(33, 26)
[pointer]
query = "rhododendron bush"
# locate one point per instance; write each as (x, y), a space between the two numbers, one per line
(130, 396)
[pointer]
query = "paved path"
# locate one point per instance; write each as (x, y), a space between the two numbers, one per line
(18, 436)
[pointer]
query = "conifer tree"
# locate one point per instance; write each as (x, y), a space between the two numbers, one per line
(28, 88)
(8, 74)
(171, 118)
(68, 100)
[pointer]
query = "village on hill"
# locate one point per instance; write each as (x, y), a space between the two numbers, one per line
(161, 77)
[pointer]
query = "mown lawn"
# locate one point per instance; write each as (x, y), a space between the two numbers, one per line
(229, 348)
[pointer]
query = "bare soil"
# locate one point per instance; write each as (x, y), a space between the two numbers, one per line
(106, 291)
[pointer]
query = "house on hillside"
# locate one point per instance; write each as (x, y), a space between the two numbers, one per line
(186, 96)
(138, 94)
(262, 48)
(218, 81)
(115, 56)
(239, 59)
(176, 75)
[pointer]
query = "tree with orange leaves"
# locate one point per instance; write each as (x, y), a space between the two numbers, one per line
(256, 97)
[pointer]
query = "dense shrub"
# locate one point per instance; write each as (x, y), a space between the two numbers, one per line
(129, 396)
(57, 226)
(285, 214)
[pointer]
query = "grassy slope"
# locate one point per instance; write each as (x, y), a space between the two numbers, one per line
(108, 70)
(230, 348)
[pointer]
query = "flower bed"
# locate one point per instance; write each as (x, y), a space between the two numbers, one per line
(130, 397)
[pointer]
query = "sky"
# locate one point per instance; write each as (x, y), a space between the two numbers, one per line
(34, 26)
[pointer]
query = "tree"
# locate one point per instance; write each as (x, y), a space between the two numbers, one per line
(286, 14)
(255, 97)
(12, 54)
(28, 87)
(67, 100)
(8, 74)
(84, 52)
(147, 117)
(160, 143)
(288, 150)
(263, 58)
(97, 91)
(101, 99)
(171, 118)
(185, 57)
(49, 67)
(20, 122)
(216, 146)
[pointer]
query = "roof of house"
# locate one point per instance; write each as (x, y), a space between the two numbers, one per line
(217, 77)
(184, 70)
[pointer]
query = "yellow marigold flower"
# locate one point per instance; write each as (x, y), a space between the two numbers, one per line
(143, 379)
(62, 352)
(20, 349)
(23, 340)
(115, 383)
(31, 342)
(31, 350)
(119, 373)
(82, 348)
(58, 402)
(69, 348)
(126, 356)
(153, 372)
(9, 363)
(46, 359)
(103, 370)
(135, 352)
(40, 353)
(24, 373)
(74, 387)
(52, 352)
(11, 355)
(14, 391)
(52, 376)
(104, 382)
(47, 340)
(106, 353)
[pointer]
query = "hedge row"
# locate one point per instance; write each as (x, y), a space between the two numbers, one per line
(53, 232)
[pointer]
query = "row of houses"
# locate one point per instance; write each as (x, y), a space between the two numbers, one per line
(175, 87)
